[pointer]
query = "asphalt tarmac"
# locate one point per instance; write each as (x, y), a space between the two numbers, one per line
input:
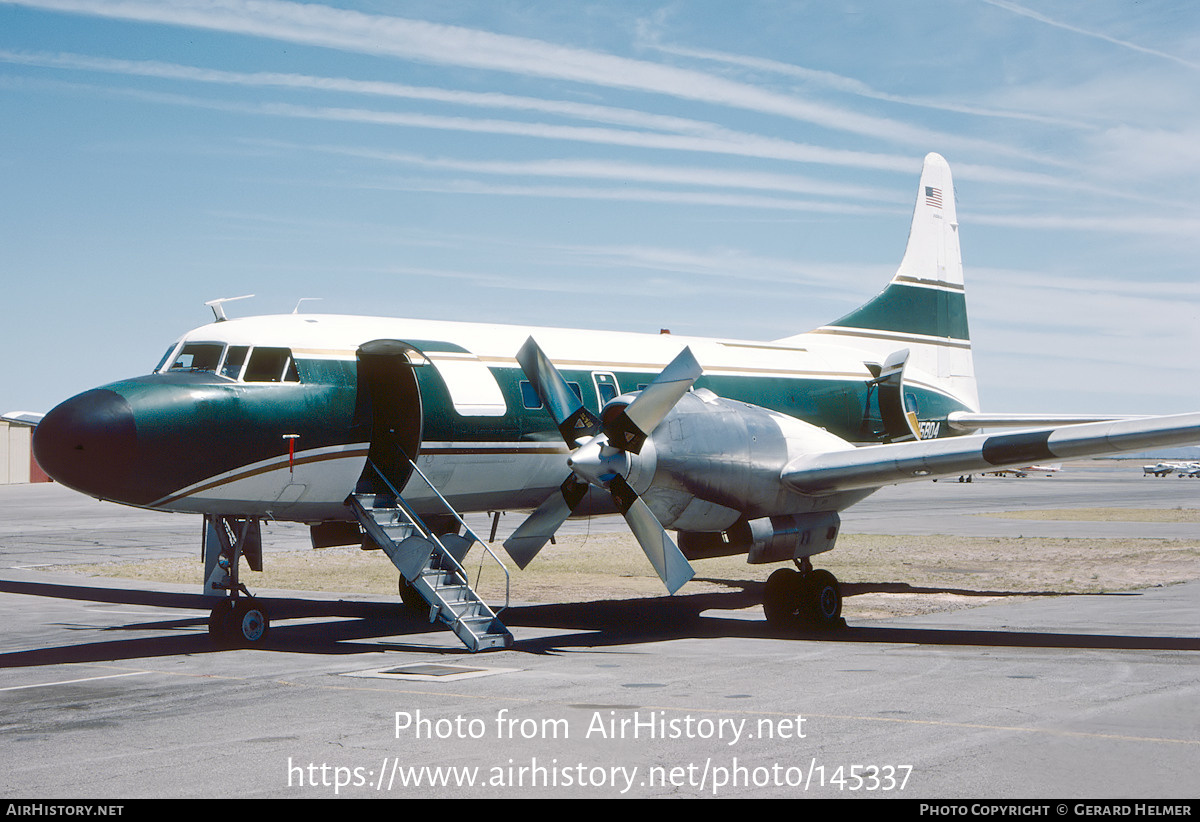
(111, 689)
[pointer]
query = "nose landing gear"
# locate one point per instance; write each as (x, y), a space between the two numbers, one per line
(239, 619)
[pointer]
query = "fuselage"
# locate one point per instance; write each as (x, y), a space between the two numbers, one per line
(266, 416)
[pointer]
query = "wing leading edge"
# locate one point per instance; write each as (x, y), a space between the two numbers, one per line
(30, 418)
(877, 465)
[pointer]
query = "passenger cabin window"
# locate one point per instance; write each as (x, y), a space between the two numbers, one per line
(529, 396)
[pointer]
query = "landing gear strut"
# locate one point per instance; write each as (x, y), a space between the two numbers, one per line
(804, 598)
(239, 619)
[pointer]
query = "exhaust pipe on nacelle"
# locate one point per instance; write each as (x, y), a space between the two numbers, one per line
(766, 540)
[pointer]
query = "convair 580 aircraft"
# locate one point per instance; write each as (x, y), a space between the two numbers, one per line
(380, 430)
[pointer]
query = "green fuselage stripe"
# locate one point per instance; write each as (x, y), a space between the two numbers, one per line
(844, 407)
(202, 430)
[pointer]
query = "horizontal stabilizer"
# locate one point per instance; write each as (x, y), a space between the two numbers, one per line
(30, 418)
(969, 421)
(878, 465)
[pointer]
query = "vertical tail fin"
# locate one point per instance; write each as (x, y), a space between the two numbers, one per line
(924, 307)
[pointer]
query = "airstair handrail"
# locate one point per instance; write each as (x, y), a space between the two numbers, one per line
(430, 535)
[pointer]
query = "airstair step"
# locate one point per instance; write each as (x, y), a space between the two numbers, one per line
(470, 609)
(433, 570)
(488, 641)
(456, 593)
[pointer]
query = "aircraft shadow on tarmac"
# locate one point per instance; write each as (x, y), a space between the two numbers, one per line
(351, 627)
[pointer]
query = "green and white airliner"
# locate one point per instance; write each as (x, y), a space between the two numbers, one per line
(740, 447)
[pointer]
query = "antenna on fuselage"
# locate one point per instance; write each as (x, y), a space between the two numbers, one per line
(218, 306)
(296, 310)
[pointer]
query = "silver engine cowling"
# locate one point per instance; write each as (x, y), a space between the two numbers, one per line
(712, 471)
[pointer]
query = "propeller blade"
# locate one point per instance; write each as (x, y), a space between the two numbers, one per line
(537, 529)
(628, 429)
(670, 563)
(574, 421)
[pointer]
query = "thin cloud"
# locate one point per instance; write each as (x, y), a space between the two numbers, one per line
(1041, 18)
(717, 140)
(1183, 227)
(623, 172)
(174, 71)
(832, 280)
(631, 194)
(721, 141)
(472, 48)
(849, 85)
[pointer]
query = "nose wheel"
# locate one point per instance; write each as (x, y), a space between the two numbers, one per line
(805, 599)
(239, 622)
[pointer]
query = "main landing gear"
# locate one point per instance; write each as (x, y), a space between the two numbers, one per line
(239, 620)
(803, 598)
(410, 599)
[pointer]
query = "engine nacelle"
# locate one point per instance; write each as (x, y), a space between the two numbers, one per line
(714, 462)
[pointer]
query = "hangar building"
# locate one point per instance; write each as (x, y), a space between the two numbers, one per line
(17, 464)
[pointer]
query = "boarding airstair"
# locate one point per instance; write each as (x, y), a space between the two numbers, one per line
(432, 565)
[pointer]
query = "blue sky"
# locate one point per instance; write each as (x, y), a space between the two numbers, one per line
(729, 169)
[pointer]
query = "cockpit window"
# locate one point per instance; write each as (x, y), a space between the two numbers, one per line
(234, 360)
(271, 365)
(198, 357)
(239, 361)
(163, 362)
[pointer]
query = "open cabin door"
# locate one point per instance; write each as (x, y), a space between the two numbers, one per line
(389, 400)
(898, 419)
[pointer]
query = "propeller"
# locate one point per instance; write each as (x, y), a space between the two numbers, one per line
(600, 458)
(574, 421)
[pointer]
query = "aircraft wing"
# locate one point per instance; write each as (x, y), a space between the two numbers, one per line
(873, 466)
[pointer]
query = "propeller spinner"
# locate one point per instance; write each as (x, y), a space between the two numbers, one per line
(601, 458)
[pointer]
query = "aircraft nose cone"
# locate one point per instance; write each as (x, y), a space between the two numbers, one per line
(88, 443)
